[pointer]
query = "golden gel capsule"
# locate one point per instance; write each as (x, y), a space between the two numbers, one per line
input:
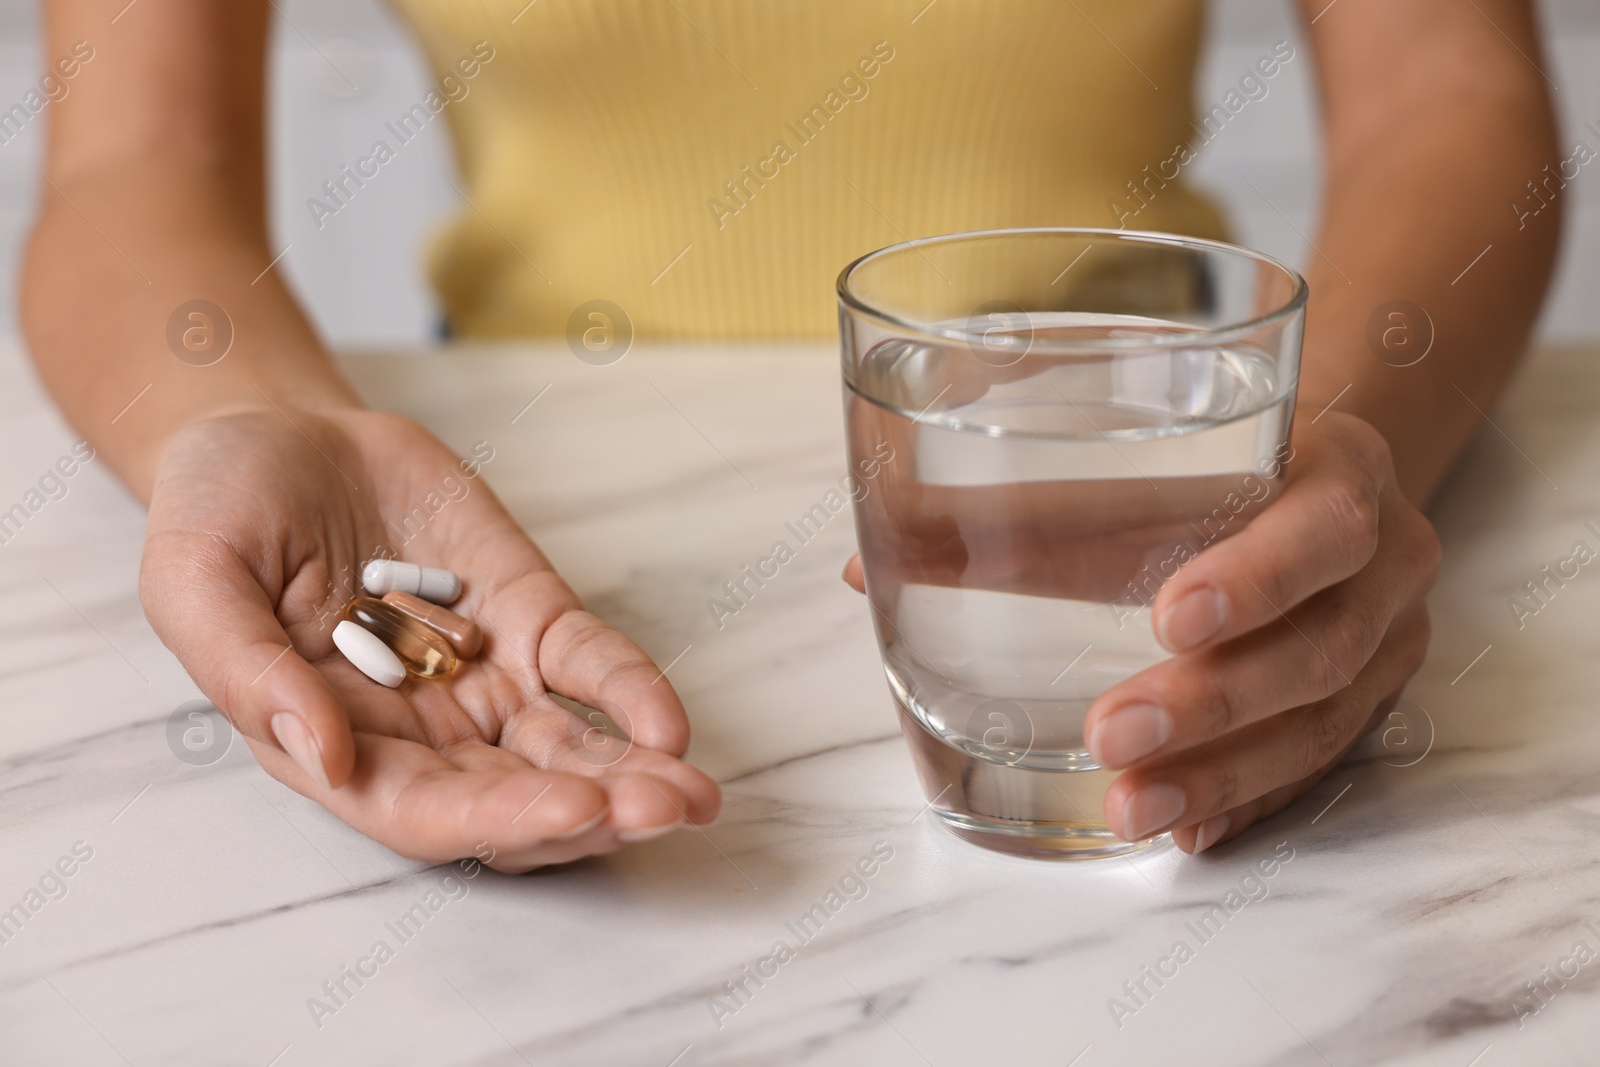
(422, 649)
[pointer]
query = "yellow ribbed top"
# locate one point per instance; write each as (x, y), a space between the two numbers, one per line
(710, 166)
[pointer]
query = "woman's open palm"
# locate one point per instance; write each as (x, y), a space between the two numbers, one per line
(260, 521)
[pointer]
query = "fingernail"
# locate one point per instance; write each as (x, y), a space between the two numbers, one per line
(1197, 615)
(583, 827)
(1211, 832)
(1151, 808)
(648, 833)
(295, 738)
(1130, 733)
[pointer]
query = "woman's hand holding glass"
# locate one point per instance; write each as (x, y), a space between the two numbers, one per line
(1290, 639)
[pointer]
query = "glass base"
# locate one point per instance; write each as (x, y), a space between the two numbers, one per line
(1045, 840)
(1024, 806)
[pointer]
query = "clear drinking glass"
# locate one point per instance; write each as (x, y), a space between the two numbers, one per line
(1044, 424)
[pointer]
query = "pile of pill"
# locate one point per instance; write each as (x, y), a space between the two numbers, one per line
(410, 630)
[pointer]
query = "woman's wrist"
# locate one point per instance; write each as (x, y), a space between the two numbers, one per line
(310, 390)
(139, 364)
(189, 328)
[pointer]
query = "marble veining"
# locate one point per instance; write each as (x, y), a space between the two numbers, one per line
(1438, 877)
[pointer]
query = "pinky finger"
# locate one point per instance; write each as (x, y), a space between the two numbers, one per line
(1227, 825)
(1230, 824)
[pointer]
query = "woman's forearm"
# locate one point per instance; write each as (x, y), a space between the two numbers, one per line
(153, 199)
(110, 267)
(1427, 150)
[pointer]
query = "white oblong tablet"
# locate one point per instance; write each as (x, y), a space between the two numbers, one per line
(434, 584)
(370, 655)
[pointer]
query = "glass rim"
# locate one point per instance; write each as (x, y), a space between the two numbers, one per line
(1187, 339)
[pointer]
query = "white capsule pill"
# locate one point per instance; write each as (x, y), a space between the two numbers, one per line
(371, 656)
(382, 576)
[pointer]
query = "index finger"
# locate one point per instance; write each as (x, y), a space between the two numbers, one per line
(1322, 529)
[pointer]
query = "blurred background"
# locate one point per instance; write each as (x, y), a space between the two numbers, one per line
(363, 278)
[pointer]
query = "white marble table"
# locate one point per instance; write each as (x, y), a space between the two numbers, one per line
(1431, 877)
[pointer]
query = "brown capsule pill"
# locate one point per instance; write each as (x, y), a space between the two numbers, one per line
(425, 652)
(463, 634)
